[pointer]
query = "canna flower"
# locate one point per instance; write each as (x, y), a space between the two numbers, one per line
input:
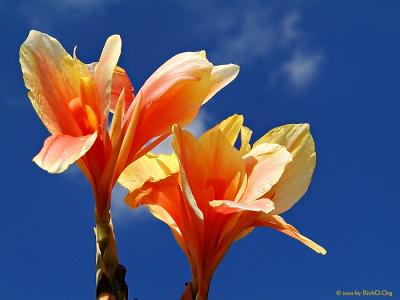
(212, 194)
(74, 99)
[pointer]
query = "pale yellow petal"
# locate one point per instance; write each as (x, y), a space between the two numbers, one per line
(221, 76)
(297, 176)
(245, 136)
(149, 167)
(230, 127)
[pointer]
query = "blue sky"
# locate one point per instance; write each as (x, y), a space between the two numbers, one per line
(332, 64)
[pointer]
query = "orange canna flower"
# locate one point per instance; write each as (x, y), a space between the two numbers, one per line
(74, 99)
(211, 194)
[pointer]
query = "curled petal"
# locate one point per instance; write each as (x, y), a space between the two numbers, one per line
(175, 91)
(297, 176)
(60, 151)
(265, 164)
(278, 223)
(221, 76)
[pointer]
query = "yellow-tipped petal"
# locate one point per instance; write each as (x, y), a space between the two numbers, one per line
(221, 76)
(53, 78)
(149, 167)
(230, 127)
(297, 176)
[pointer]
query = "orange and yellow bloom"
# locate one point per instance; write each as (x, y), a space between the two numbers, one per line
(74, 100)
(211, 194)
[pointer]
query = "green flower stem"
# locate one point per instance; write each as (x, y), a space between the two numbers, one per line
(110, 274)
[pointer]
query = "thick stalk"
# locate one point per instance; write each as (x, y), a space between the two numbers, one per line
(110, 275)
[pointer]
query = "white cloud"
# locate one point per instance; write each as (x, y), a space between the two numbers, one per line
(302, 68)
(255, 32)
(290, 28)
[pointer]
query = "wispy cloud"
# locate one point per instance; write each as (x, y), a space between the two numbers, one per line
(302, 68)
(254, 32)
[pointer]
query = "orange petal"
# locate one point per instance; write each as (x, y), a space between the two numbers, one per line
(117, 120)
(278, 223)
(53, 78)
(297, 176)
(60, 151)
(191, 157)
(104, 73)
(225, 162)
(265, 164)
(129, 133)
(175, 91)
(120, 81)
(165, 201)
